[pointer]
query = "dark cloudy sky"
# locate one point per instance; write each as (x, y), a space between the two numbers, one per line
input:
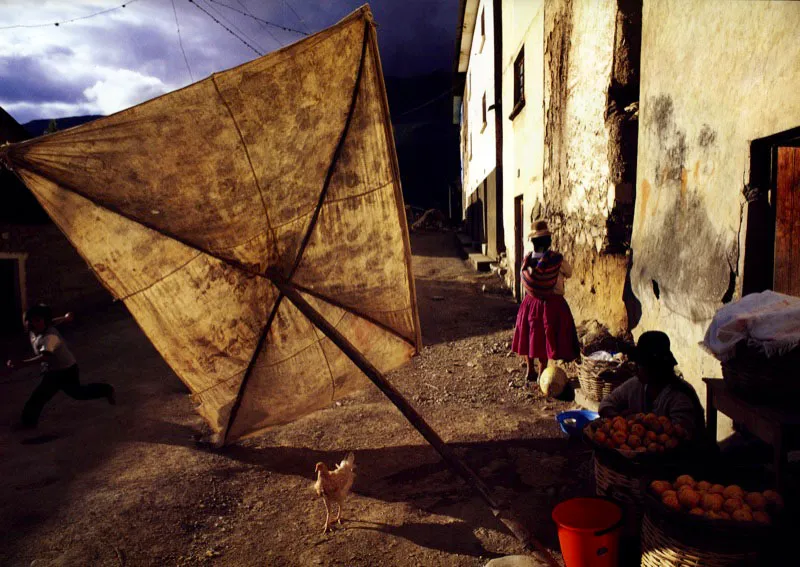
(112, 61)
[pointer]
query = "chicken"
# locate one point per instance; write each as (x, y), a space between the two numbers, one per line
(334, 486)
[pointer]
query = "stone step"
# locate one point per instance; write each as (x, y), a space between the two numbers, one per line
(480, 262)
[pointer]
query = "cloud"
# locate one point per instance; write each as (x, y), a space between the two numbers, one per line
(106, 63)
(122, 88)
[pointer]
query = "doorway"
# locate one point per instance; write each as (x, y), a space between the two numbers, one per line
(772, 239)
(12, 292)
(519, 243)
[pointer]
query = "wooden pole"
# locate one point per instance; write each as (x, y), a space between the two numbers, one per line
(419, 423)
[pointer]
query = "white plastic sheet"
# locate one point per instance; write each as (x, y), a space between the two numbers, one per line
(768, 321)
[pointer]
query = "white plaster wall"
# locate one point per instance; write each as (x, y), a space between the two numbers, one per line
(715, 75)
(523, 137)
(480, 78)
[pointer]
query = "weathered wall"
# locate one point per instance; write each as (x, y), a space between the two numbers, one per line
(480, 80)
(588, 82)
(523, 137)
(715, 75)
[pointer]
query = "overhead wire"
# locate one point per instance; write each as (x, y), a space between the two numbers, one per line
(266, 29)
(239, 30)
(427, 102)
(230, 31)
(262, 20)
(86, 17)
(180, 41)
(301, 20)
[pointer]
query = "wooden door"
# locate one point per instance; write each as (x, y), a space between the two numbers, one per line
(787, 222)
(519, 243)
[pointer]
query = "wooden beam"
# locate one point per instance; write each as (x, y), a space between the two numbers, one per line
(419, 423)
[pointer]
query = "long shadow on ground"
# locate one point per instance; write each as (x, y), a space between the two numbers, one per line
(528, 475)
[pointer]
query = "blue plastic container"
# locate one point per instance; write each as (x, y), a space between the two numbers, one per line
(573, 422)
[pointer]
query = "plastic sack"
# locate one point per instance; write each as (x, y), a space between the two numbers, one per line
(601, 355)
(768, 321)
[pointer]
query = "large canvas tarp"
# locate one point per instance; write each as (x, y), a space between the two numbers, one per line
(188, 206)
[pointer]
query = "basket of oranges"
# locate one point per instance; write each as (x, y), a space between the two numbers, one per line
(705, 523)
(641, 437)
(628, 450)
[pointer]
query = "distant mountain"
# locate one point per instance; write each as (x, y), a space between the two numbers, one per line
(38, 127)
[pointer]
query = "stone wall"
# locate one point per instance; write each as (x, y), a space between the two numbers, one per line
(715, 75)
(590, 87)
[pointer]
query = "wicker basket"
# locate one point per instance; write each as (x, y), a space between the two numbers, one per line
(625, 489)
(616, 484)
(599, 377)
(760, 379)
(660, 549)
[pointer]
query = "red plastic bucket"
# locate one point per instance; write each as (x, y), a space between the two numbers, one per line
(588, 531)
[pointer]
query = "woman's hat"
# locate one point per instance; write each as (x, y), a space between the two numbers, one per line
(539, 229)
(653, 349)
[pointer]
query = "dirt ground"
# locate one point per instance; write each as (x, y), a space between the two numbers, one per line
(128, 485)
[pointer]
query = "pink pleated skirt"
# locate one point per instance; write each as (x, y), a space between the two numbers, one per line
(545, 329)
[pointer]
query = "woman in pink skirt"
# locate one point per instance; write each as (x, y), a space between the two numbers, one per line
(545, 328)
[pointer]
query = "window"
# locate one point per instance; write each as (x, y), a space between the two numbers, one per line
(483, 29)
(483, 111)
(519, 83)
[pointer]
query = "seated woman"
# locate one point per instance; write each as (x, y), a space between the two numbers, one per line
(656, 388)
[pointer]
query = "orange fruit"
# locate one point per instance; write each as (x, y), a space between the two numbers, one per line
(697, 512)
(723, 515)
(619, 438)
(671, 501)
(684, 480)
(756, 500)
(733, 491)
(638, 430)
(651, 436)
(634, 441)
(732, 504)
(762, 517)
(742, 516)
(624, 447)
(716, 489)
(663, 438)
(703, 485)
(660, 486)
(712, 502)
(600, 437)
(688, 498)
